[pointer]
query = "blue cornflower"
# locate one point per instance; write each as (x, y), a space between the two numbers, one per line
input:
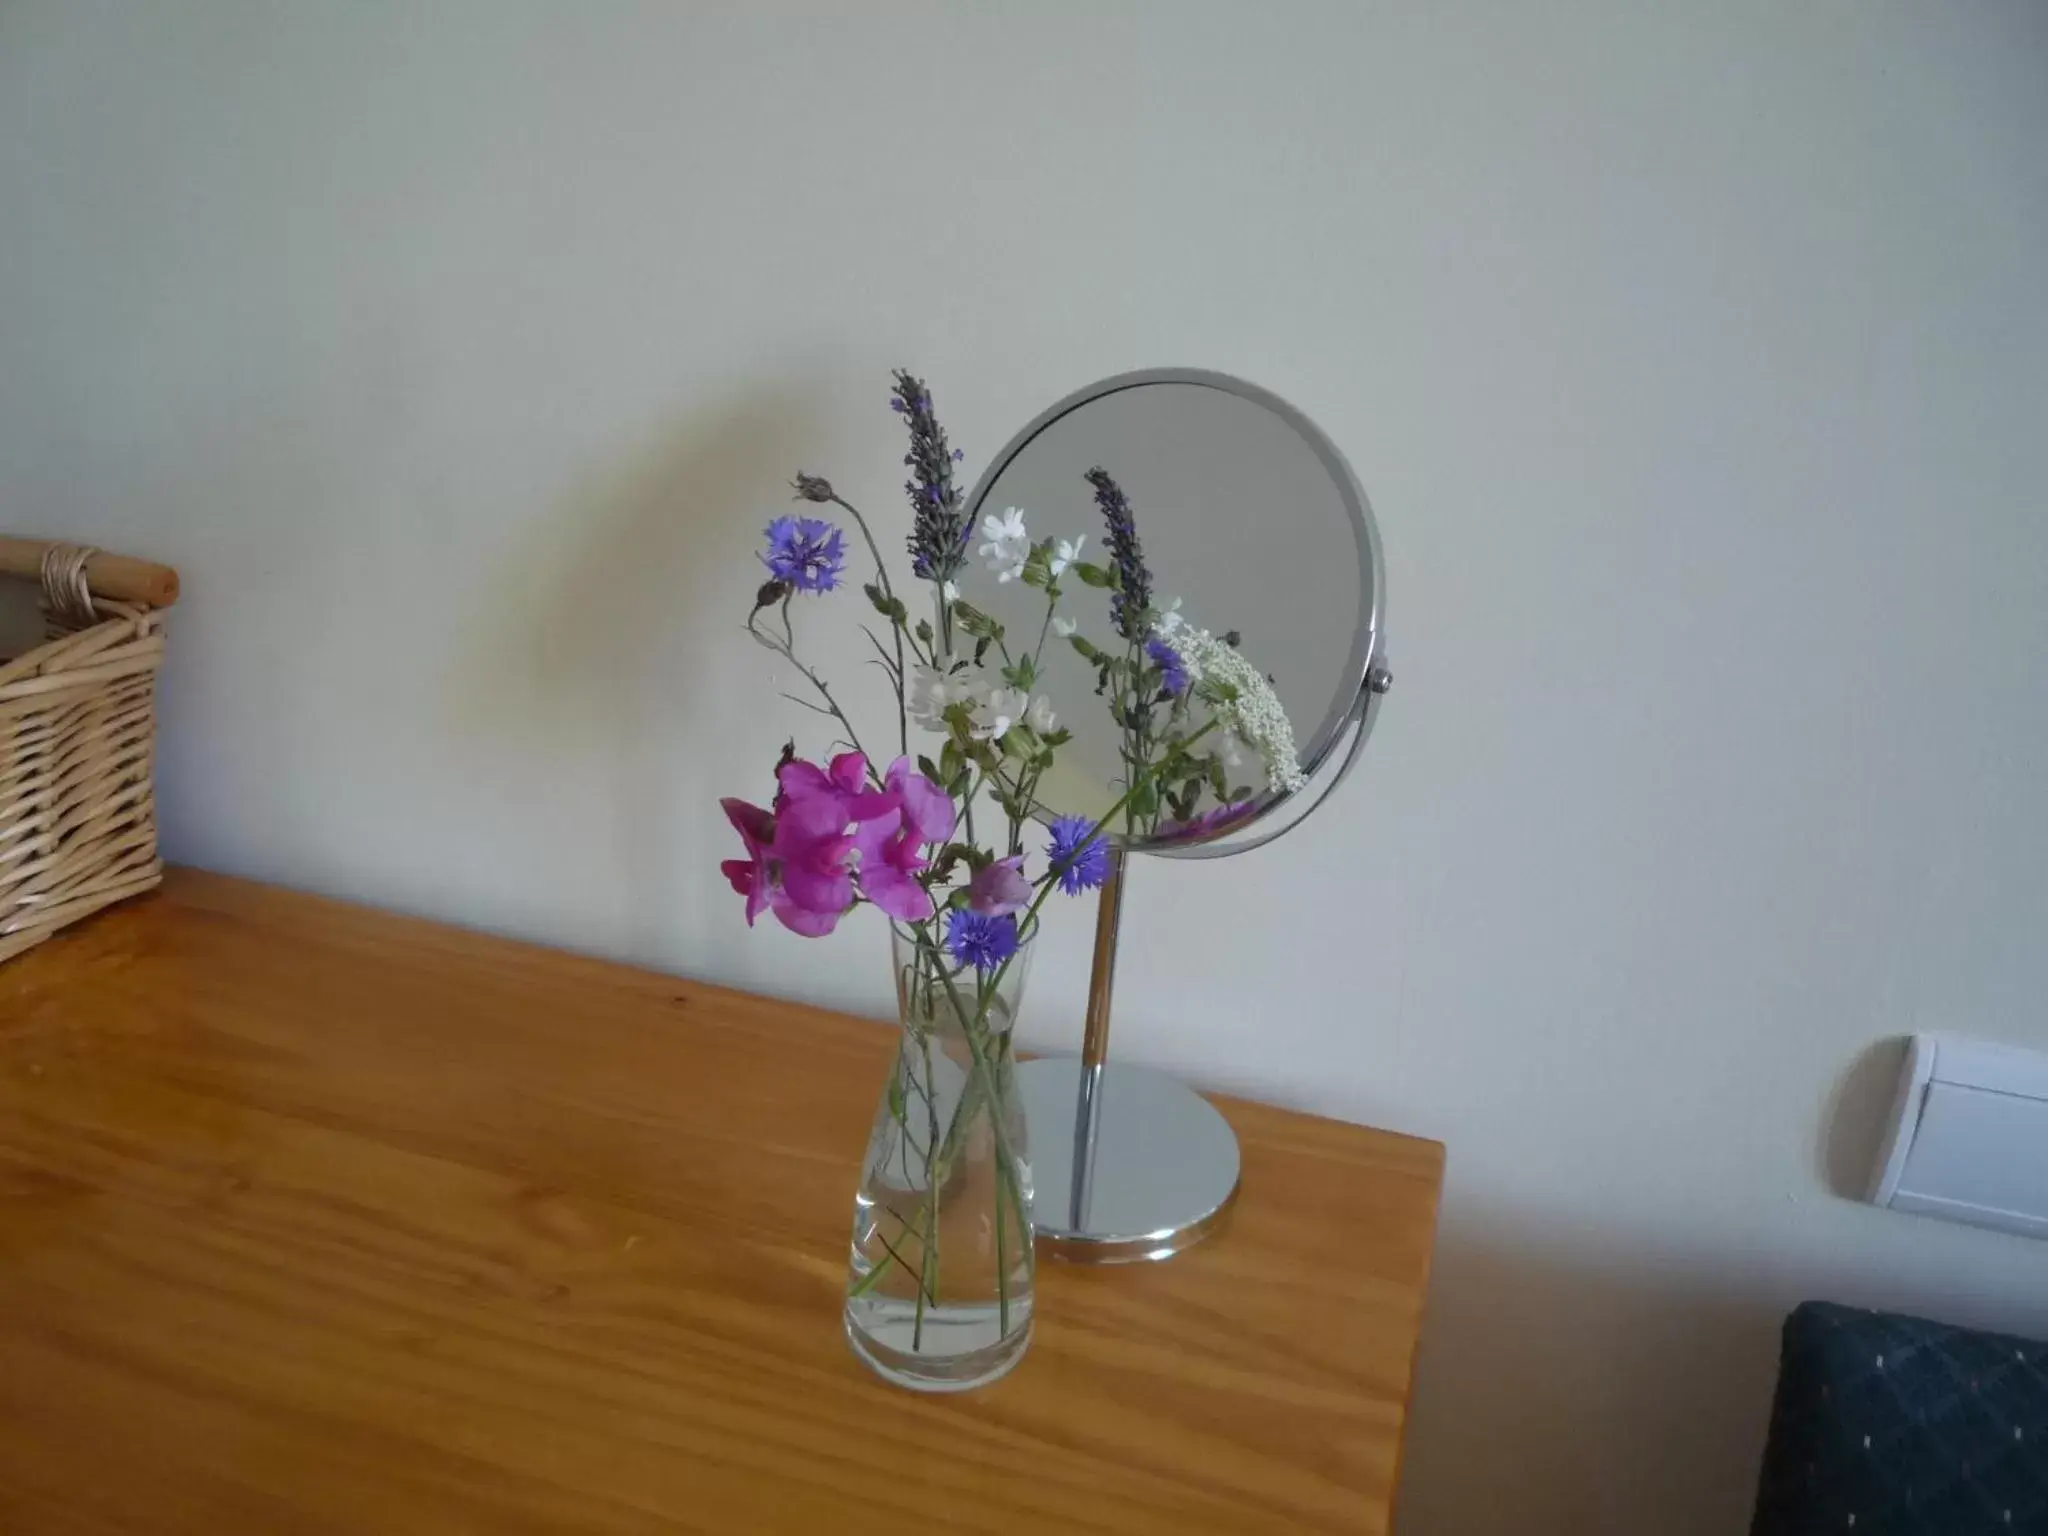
(1081, 862)
(1173, 672)
(980, 941)
(806, 552)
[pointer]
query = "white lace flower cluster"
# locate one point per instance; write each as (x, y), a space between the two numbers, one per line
(1249, 715)
(992, 708)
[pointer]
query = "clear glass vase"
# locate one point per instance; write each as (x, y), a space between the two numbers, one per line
(940, 1290)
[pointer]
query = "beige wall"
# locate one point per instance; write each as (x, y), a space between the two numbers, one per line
(1692, 355)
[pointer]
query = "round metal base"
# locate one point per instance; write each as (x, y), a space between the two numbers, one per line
(1126, 1164)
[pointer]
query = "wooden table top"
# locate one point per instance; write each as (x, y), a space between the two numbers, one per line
(316, 1219)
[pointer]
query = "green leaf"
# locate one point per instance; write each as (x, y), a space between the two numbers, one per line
(928, 768)
(1088, 649)
(897, 1107)
(981, 649)
(1093, 575)
(949, 763)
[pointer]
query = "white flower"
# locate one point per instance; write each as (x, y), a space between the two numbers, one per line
(927, 697)
(932, 692)
(1007, 545)
(1064, 553)
(1040, 716)
(1166, 619)
(1063, 627)
(1003, 708)
(950, 591)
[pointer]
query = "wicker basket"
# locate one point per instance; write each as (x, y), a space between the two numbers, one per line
(78, 740)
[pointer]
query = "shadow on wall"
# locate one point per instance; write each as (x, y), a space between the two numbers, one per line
(1571, 1384)
(589, 649)
(1852, 1127)
(1566, 1389)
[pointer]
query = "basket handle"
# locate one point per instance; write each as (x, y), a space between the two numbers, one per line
(114, 577)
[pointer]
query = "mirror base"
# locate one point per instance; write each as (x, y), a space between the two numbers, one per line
(1127, 1164)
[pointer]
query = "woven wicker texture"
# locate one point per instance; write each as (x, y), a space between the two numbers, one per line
(77, 754)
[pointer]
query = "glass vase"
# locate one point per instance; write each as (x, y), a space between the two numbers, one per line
(939, 1294)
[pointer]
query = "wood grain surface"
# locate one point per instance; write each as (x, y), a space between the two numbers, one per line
(316, 1219)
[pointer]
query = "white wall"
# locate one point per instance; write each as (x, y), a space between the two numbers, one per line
(1694, 357)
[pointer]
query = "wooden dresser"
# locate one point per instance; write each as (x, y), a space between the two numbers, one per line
(314, 1219)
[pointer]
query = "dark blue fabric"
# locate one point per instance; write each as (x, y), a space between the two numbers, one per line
(1895, 1426)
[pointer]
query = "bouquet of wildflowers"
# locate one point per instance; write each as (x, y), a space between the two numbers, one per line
(939, 839)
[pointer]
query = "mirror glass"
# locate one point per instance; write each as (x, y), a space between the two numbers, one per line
(1252, 530)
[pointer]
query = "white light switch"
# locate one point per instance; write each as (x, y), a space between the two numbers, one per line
(1969, 1136)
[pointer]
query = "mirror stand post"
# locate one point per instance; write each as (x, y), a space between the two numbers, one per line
(1148, 1167)
(1109, 911)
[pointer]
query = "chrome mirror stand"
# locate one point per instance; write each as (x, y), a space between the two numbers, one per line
(1127, 1163)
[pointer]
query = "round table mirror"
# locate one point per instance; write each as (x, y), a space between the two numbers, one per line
(1246, 580)
(1250, 526)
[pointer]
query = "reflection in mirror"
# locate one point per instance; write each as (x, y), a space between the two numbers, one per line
(1216, 563)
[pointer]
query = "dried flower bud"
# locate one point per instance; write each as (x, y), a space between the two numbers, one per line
(771, 593)
(812, 487)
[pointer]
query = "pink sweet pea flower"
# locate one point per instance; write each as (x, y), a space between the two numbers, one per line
(892, 848)
(832, 836)
(824, 821)
(758, 877)
(846, 785)
(926, 809)
(890, 863)
(1000, 889)
(751, 876)
(815, 854)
